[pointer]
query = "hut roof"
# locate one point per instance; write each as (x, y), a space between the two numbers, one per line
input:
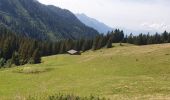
(72, 51)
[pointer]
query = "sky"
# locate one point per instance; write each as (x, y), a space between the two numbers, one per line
(133, 15)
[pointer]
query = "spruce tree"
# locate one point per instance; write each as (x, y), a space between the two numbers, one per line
(36, 56)
(109, 43)
(15, 59)
(164, 37)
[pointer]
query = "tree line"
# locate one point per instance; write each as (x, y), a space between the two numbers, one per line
(145, 39)
(19, 50)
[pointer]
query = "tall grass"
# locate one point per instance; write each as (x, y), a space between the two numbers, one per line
(66, 97)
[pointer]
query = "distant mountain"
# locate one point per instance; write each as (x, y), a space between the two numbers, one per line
(91, 22)
(35, 20)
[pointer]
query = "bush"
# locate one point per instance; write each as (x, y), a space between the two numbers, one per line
(66, 97)
(8, 63)
(2, 62)
(31, 70)
(31, 61)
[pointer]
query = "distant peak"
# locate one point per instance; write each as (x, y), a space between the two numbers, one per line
(92, 22)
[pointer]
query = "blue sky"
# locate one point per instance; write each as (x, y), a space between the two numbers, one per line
(144, 15)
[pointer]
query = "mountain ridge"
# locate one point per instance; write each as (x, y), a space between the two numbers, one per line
(39, 21)
(91, 22)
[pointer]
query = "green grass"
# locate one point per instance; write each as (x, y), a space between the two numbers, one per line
(123, 72)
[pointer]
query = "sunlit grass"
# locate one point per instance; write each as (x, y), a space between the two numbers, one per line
(122, 72)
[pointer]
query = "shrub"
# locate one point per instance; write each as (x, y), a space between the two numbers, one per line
(2, 62)
(67, 97)
(31, 70)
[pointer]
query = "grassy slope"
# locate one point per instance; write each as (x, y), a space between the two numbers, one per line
(138, 72)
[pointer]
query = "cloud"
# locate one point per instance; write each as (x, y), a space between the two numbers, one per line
(146, 1)
(122, 13)
(156, 26)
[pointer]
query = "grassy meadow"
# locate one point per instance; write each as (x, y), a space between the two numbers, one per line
(125, 72)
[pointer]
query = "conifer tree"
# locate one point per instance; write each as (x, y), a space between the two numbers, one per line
(36, 56)
(15, 59)
(165, 37)
(109, 43)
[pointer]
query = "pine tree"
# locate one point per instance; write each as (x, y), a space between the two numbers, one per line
(36, 56)
(169, 38)
(130, 39)
(95, 43)
(15, 59)
(62, 48)
(109, 43)
(6, 49)
(85, 46)
(164, 37)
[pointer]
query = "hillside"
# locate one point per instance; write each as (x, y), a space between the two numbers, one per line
(122, 72)
(91, 22)
(33, 19)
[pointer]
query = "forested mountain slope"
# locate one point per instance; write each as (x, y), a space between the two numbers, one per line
(35, 20)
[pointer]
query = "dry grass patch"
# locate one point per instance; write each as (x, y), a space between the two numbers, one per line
(32, 70)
